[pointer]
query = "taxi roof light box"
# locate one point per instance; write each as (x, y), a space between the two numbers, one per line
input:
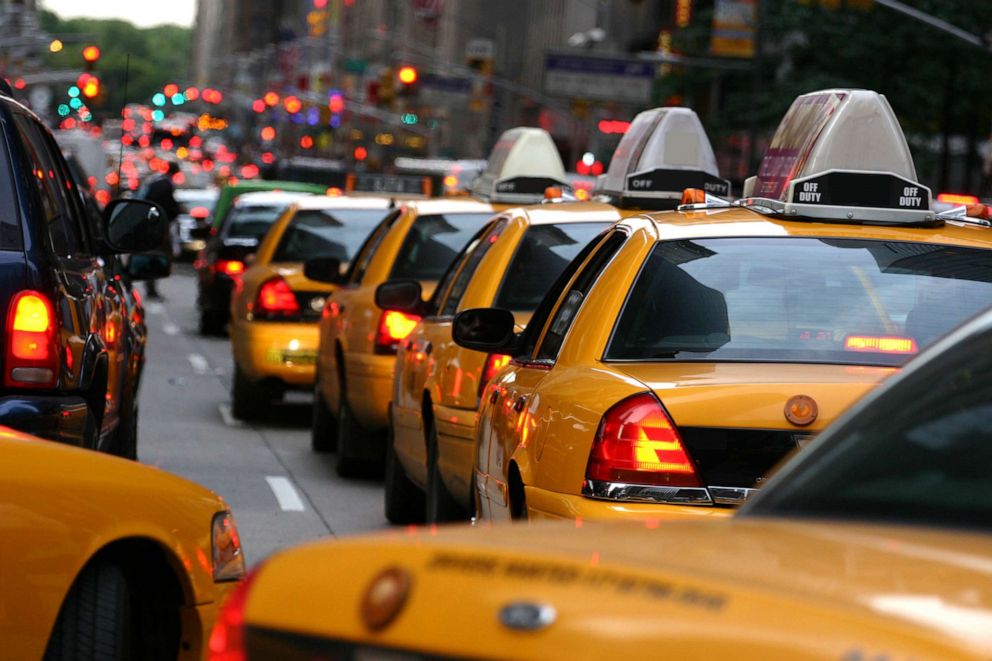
(522, 164)
(664, 151)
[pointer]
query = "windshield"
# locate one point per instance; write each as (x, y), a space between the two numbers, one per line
(432, 244)
(921, 453)
(542, 255)
(252, 222)
(799, 300)
(327, 233)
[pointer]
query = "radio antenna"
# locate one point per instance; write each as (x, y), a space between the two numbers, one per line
(120, 155)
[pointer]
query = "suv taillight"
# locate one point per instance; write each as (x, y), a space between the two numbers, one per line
(227, 639)
(494, 363)
(637, 443)
(276, 301)
(31, 357)
(394, 326)
(229, 267)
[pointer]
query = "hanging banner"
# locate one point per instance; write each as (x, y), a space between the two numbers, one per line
(734, 23)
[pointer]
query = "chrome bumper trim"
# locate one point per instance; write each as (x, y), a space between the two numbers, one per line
(642, 493)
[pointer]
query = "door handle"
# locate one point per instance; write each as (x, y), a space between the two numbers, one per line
(493, 397)
(518, 405)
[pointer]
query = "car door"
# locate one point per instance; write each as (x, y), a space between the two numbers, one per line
(513, 401)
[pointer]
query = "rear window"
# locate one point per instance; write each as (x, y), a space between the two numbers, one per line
(252, 222)
(799, 300)
(433, 242)
(327, 233)
(542, 255)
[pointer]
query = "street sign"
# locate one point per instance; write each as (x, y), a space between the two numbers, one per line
(598, 78)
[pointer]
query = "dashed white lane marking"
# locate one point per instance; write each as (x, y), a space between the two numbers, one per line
(170, 328)
(228, 417)
(283, 489)
(199, 363)
(154, 308)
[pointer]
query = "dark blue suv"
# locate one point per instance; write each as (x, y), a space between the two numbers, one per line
(63, 358)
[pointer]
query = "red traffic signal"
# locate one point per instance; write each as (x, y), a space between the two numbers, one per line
(91, 53)
(91, 87)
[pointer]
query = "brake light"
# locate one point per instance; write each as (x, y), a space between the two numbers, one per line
(957, 198)
(199, 212)
(275, 300)
(227, 639)
(885, 344)
(31, 356)
(637, 443)
(494, 363)
(231, 267)
(394, 326)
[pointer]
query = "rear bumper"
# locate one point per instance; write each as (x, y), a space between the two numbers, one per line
(283, 351)
(63, 419)
(215, 293)
(543, 504)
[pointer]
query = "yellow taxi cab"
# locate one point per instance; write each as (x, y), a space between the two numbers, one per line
(511, 264)
(686, 353)
(358, 342)
(275, 306)
(874, 544)
(104, 559)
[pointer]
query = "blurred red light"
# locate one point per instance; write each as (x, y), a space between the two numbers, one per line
(171, 90)
(361, 153)
(306, 142)
(258, 105)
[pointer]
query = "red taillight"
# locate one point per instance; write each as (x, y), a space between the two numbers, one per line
(231, 267)
(637, 443)
(31, 357)
(227, 639)
(957, 198)
(275, 300)
(494, 363)
(199, 212)
(394, 326)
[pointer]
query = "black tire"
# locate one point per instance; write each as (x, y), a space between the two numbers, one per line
(349, 435)
(248, 400)
(94, 623)
(212, 322)
(324, 428)
(127, 433)
(440, 505)
(404, 502)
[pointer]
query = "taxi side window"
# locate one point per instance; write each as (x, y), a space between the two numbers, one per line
(471, 263)
(563, 317)
(361, 264)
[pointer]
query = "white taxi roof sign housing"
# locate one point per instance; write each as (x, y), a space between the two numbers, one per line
(522, 164)
(664, 151)
(840, 154)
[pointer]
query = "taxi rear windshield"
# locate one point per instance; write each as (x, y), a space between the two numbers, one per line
(801, 300)
(252, 222)
(542, 255)
(433, 242)
(327, 233)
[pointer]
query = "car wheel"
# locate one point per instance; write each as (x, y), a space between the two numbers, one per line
(323, 429)
(404, 502)
(94, 623)
(127, 434)
(211, 322)
(440, 505)
(248, 400)
(349, 435)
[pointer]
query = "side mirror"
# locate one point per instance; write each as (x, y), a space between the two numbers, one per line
(489, 330)
(400, 295)
(135, 225)
(323, 269)
(149, 267)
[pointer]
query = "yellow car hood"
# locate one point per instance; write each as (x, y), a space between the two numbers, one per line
(738, 588)
(752, 394)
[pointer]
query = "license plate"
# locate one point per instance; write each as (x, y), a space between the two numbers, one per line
(290, 357)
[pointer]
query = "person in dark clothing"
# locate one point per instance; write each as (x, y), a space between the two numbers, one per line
(159, 189)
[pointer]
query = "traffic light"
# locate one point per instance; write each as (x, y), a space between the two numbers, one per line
(89, 86)
(409, 78)
(91, 54)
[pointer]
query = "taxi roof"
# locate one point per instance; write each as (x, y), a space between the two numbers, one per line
(345, 202)
(270, 197)
(449, 205)
(568, 212)
(522, 164)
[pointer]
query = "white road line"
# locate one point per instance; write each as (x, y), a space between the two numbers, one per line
(170, 329)
(199, 363)
(154, 308)
(283, 489)
(228, 417)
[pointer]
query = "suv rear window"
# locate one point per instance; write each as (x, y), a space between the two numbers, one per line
(433, 242)
(252, 222)
(327, 233)
(799, 300)
(542, 255)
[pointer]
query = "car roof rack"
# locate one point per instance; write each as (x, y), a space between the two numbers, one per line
(840, 155)
(664, 151)
(523, 163)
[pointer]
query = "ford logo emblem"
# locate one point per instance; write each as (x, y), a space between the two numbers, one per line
(526, 616)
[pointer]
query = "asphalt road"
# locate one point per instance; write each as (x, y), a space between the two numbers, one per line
(281, 492)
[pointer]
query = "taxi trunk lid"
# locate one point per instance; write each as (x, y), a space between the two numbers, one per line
(732, 416)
